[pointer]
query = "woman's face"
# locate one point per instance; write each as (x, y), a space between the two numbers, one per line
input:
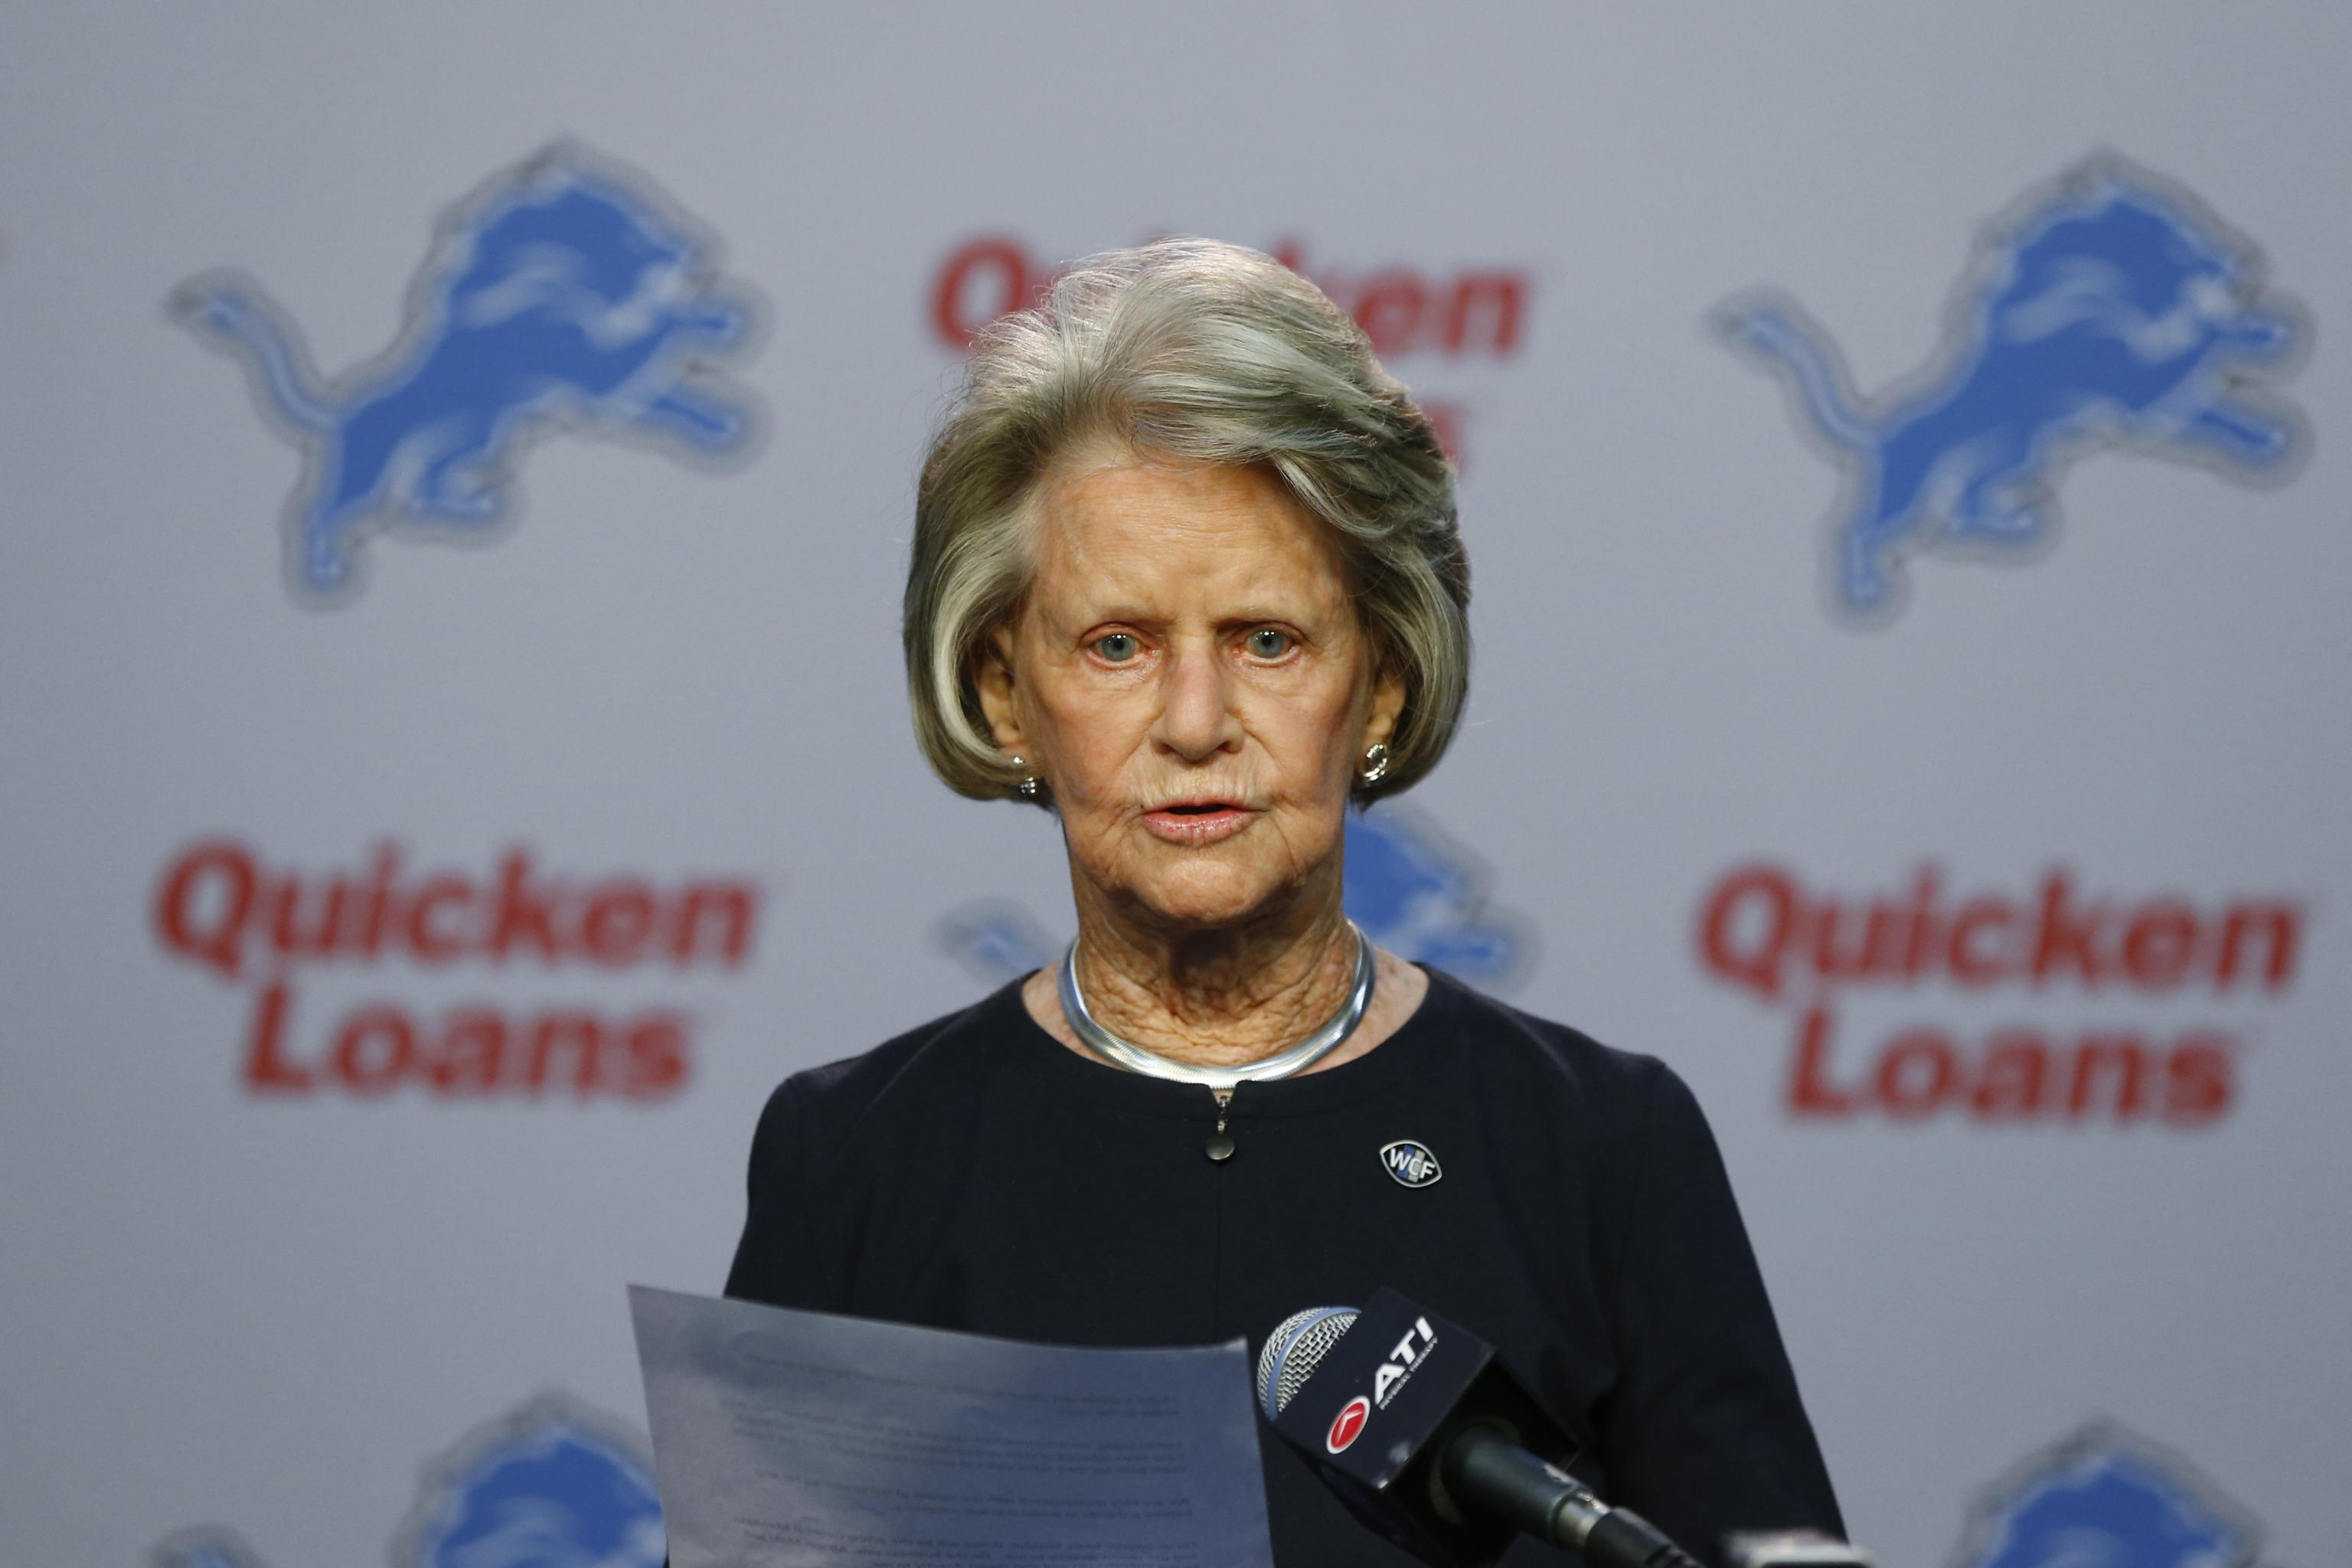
(1188, 675)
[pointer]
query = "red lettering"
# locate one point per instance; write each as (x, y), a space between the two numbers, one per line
(1389, 310)
(1917, 1074)
(2198, 1078)
(619, 917)
(2122, 1061)
(266, 1068)
(2067, 937)
(2018, 1076)
(522, 915)
(1845, 940)
(1810, 1091)
(374, 1050)
(288, 931)
(579, 1035)
(1926, 934)
(214, 900)
(2280, 927)
(1884, 940)
(1480, 311)
(375, 901)
(2011, 1086)
(1495, 300)
(1729, 942)
(201, 907)
(996, 267)
(655, 1066)
(471, 1057)
(429, 942)
(2158, 944)
(721, 911)
(1970, 965)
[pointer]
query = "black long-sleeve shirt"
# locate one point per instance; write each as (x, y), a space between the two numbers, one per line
(975, 1174)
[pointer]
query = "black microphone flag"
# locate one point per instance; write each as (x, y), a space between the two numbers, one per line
(1381, 1408)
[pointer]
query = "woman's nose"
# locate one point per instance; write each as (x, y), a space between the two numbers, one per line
(1196, 713)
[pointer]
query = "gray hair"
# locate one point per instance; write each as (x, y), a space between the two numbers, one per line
(1193, 350)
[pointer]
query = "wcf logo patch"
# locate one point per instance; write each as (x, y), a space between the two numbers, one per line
(2108, 309)
(565, 295)
(1412, 1163)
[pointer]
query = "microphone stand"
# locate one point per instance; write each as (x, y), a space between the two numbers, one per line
(1509, 1483)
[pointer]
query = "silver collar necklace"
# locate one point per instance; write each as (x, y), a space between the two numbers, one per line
(1282, 1064)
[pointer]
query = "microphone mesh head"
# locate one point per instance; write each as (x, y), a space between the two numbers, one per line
(1293, 1352)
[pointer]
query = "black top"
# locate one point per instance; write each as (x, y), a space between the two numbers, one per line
(975, 1174)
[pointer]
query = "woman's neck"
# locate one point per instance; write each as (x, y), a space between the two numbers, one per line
(1222, 998)
(1212, 1024)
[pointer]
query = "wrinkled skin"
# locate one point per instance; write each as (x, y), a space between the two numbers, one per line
(1188, 638)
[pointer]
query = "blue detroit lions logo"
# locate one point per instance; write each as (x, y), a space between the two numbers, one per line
(2103, 1500)
(563, 296)
(1424, 898)
(549, 1487)
(2110, 310)
(1414, 891)
(995, 940)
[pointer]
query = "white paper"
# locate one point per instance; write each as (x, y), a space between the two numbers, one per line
(786, 1439)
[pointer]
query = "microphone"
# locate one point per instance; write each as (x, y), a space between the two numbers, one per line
(1417, 1426)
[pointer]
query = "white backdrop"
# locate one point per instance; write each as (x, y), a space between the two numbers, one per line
(281, 1299)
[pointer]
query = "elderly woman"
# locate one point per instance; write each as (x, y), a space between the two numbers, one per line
(1186, 575)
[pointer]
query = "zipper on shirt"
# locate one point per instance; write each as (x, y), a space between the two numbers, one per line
(1220, 1146)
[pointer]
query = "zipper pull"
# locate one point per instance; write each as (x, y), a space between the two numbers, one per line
(1220, 1146)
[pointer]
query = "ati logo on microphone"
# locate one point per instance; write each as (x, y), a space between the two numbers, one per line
(1418, 1341)
(1348, 1424)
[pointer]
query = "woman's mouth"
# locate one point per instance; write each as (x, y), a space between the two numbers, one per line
(1194, 822)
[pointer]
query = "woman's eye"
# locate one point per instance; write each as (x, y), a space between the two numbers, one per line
(1116, 647)
(1267, 642)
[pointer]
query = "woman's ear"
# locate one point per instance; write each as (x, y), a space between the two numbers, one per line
(993, 678)
(1388, 707)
